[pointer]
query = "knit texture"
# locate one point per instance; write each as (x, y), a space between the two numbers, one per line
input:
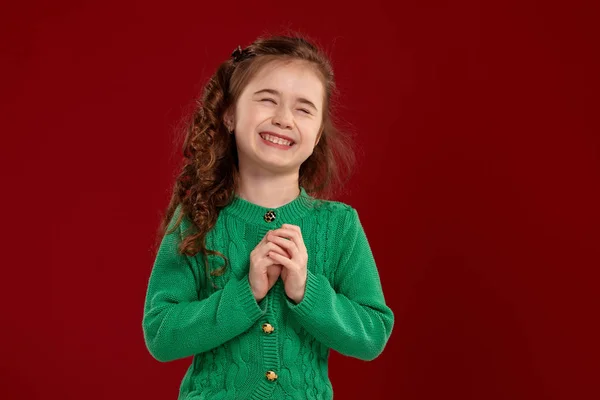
(221, 327)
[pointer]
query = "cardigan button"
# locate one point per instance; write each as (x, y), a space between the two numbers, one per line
(270, 216)
(271, 375)
(267, 328)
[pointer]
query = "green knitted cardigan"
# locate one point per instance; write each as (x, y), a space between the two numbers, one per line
(244, 349)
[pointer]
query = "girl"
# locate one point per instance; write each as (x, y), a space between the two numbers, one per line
(254, 277)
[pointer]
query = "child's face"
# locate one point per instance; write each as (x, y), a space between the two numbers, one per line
(283, 99)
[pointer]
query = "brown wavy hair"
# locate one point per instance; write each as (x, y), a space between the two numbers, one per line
(209, 176)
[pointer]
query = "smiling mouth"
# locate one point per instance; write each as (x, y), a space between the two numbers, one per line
(276, 140)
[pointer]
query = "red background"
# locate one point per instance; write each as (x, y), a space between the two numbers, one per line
(478, 138)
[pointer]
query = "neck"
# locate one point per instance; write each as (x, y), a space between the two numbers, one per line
(268, 191)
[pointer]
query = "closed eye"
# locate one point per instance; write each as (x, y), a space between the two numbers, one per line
(304, 110)
(268, 99)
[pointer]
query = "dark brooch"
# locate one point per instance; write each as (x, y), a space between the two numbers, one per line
(270, 216)
(240, 54)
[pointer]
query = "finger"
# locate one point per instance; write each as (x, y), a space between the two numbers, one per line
(301, 244)
(285, 237)
(264, 239)
(293, 234)
(279, 259)
(267, 261)
(288, 245)
(285, 233)
(259, 252)
(296, 228)
(293, 227)
(272, 276)
(274, 247)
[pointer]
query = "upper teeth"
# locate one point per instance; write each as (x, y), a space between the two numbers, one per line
(277, 140)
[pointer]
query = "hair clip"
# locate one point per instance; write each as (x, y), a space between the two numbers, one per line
(240, 54)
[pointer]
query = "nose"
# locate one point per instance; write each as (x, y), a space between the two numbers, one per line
(283, 118)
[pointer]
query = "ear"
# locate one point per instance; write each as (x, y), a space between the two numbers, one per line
(228, 120)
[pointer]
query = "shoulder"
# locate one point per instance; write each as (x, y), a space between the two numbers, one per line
(183, 227)
(331, 206)
(342, 213)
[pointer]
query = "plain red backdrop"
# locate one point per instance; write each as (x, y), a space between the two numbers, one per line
(478, 139)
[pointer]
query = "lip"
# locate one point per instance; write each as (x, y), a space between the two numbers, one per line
(278, 135)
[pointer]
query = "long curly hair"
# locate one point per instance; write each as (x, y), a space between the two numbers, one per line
(209, 176)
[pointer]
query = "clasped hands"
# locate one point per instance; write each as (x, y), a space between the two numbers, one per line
(281, 252)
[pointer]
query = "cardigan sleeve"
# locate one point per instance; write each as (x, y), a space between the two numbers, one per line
(176, 323)
(350, 314)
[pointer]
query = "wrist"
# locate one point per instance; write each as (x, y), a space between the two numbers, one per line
(296, 298)
(256, 296)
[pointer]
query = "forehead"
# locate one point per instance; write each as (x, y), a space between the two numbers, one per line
(293, 78)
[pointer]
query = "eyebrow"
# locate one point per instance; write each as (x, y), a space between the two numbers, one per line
(276, 93)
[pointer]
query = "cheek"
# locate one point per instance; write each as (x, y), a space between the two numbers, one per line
(309, 128)
(252, 114)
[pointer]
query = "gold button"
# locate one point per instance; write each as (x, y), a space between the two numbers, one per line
(271, 375)
(267, 328)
